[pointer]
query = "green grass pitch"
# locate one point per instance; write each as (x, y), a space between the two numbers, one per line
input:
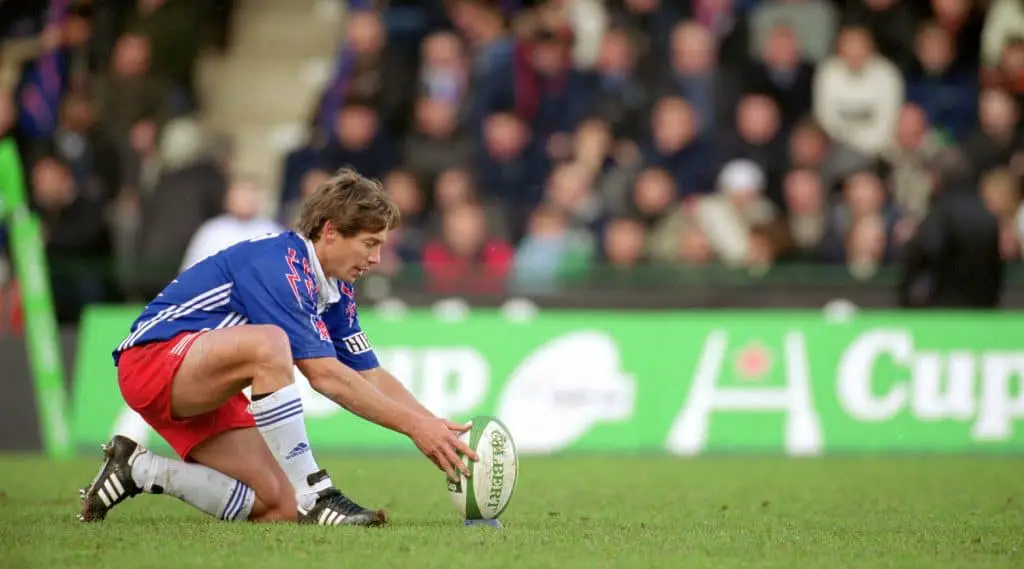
(572, 512)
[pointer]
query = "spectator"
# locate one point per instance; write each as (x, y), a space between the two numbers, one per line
(76, 45)
(77, 240)
(1009, 75)
(16, 52)
(359, 142)
(654, 194)
(492, 52)
(570, 188)
(808, 218)
(587, 19)
(377, 73)
(1000, 191)
(729, 216)
(592, 146)
(464, 259)
(757, 136)
(128, 92)
(243, 219)
(303, 158)
(654, 19)
(954, 259)
(910, 161)
(140, 162)
(551, 97)
(454, 187)
(624, 243)
(783, 75)
(405, 241)
(679, 242)
(618, 83)
(140, 159)
(891, 23)
(189, 191)
(729, 29)
(172, 30)
(866, 247)
(864, 196)
(310, 182)
(809, 147)
(1005, 20)
(857, 94)
(964, 21)
(694, 75)
(948, 94)
(80, 142)
(549, 251)
(674, 146)
(436, 143)
(813, 21)
(508, 167)
(997, 139)
(444, 72)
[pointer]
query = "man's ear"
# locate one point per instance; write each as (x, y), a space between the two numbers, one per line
(328, 233)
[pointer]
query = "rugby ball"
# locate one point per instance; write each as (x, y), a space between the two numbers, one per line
(486, 494)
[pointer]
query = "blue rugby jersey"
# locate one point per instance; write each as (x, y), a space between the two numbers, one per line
(275, 279)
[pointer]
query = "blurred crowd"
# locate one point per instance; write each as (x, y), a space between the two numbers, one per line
(100, 98)
(528, 142)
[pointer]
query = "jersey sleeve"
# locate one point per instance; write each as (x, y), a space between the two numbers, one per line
(350, 343)
(275, 291)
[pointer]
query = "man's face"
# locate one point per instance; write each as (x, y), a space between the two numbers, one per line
(782, 49)
(348, 258)
(855, 47)
(934, 49)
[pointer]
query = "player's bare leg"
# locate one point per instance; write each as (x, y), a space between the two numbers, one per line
(223, 362)
(242, 455)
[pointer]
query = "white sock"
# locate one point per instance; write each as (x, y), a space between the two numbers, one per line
(281, 422)
(205, 488)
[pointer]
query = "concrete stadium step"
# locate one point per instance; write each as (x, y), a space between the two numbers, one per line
(265, 91)
(261, 93)
(260, 151)
(286, 30)
(289, 5)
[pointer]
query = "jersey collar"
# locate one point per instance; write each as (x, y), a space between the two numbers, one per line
(329, 288)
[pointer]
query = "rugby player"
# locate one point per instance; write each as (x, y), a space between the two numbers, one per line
(245, 317)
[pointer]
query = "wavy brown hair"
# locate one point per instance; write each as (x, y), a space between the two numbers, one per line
(352, 202)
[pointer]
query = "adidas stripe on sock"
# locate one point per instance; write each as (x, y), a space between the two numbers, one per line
(239, 503)
(279, 417)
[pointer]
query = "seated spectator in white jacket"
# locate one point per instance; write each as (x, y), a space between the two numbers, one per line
(1003, 20)
(731, 216)
(243, 219)
(858, 94)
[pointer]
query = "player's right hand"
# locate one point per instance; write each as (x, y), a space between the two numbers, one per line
(438, 442)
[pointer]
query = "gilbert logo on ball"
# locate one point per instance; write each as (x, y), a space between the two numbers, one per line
(486, 494)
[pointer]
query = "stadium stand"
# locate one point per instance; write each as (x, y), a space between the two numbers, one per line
(527, 143)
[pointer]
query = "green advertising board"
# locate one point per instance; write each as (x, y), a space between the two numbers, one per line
(683, 383)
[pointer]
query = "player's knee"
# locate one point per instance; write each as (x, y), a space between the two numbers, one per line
(272, 349)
